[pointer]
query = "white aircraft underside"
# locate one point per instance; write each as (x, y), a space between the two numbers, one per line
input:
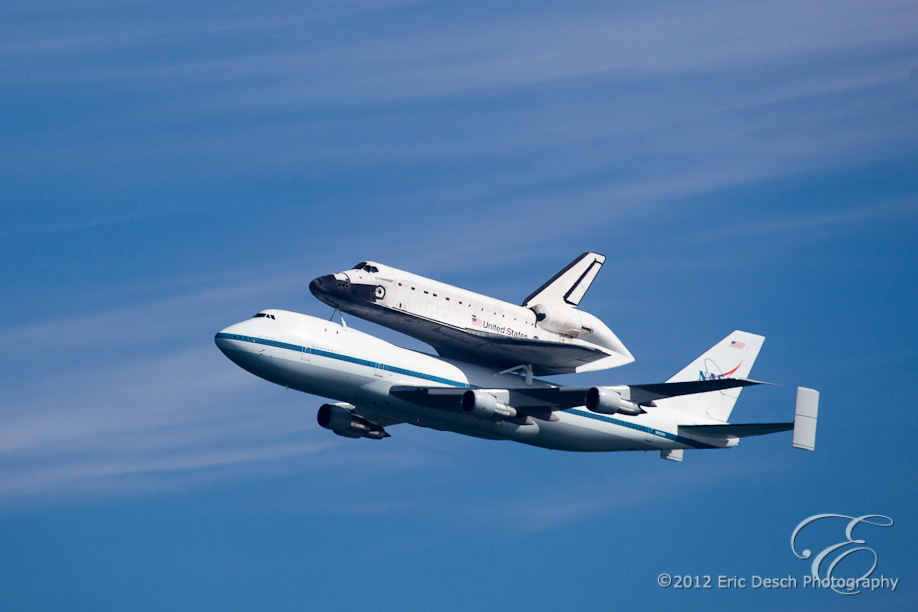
(376, 384)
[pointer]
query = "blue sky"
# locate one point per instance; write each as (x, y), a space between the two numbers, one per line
(169, 168)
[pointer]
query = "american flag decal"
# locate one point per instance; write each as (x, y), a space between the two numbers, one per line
(738, 345)
(476, 321)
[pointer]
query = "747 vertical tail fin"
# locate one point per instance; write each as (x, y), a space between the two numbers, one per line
(732, 357)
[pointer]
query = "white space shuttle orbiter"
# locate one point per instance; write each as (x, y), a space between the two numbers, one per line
(546, 335)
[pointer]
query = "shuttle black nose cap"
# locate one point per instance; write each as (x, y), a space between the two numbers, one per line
(318, 286)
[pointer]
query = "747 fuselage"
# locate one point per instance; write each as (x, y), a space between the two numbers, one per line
(366, 375)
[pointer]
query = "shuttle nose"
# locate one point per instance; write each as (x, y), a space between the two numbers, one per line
(329, 286)
(318, 286)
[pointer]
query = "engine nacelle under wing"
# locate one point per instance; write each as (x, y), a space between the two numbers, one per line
(483, 404)
(340, 418)
(604, 400)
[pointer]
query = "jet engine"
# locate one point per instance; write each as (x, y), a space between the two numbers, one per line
(564, 320)
(485, 405)
(609, 401)
(341, 419)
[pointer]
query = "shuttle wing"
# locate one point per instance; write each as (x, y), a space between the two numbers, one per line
(547, 357)
(570, 284)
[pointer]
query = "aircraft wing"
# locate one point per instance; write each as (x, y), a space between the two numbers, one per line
(374, 417)
(439, 398)
(646, 394)
(450, 398)
(736, 430)
(540, 402)
(642, 395)
(548, 357)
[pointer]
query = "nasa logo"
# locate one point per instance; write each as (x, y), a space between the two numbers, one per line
(709, 375)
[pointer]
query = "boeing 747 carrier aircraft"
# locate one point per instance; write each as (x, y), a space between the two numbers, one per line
(374, 385)
(548, 334)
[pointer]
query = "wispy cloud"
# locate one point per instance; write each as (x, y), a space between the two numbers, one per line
(504, 132)
(905, 209)
(546, 506)
(608, 106)
(507, 50)
(95, 412)
(178, 318)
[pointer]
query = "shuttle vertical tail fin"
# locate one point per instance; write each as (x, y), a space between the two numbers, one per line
(570, 284)
(732, 357)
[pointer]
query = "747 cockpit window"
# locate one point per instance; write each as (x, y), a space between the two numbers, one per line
(265, 315)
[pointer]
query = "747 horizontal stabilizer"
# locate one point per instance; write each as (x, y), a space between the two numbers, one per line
(803, 425)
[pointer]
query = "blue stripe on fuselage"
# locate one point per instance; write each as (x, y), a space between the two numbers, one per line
(637, 427)
(575, 411)
(340, 357)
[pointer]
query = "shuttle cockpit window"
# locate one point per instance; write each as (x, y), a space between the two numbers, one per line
(366, 267)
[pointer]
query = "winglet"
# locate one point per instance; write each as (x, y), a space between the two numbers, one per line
(570, 284)
(805, 418)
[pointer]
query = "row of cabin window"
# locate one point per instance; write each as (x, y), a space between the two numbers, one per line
(503, 316)
(397, 370)
(364, 266)
(351, 359)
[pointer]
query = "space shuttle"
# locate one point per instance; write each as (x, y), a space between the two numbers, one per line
(545, 335)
